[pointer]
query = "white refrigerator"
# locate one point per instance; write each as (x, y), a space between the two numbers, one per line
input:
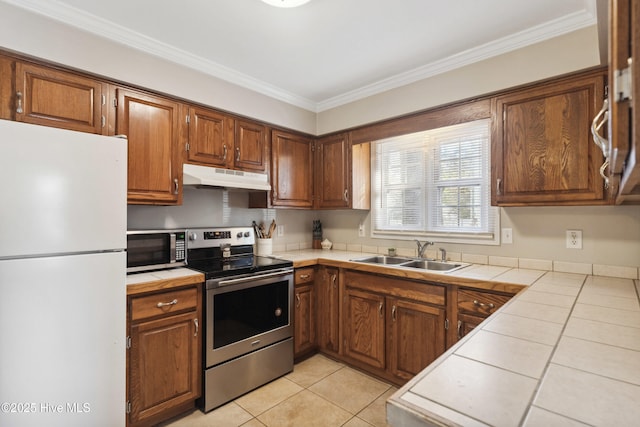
(62, 277)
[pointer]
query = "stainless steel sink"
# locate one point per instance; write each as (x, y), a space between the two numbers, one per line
(383, 259)
(435, 265)
(423, 264)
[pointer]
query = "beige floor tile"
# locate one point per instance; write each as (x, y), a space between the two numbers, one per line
(229, 415)
(537, 311)
(305, 409)
(356, 422)
(312, 370)
(607, 315)
(253, 423)
(589, 398)
(350, 389)
(606, 333)
(486, 393)
(376, 413)
(538, 417)
(609, 361)
(268, 396)
(514, 354)
(535, 330)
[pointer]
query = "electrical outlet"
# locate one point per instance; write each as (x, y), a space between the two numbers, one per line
(507, 236)
(280, 230)
(361, 230)
(574, 239)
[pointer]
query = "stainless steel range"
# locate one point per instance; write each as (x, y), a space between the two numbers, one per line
(248, 325)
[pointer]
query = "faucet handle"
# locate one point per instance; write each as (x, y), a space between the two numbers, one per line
(443, 254)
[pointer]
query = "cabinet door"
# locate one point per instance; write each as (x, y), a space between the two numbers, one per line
(292, 170)
(542, 149)
(328, 308)
(466, 323)
(333, 174)
(624, 110)
(45, 96)
(416, 336)
(164, 365)
(364, 327)
(210, 138)
(7, 95)
(304, 337)
(152, 125)
(250, 152)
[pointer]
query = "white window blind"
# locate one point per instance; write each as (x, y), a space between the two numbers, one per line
(435, 183)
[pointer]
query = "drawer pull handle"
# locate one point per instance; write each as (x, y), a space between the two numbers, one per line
(166, 304)
(195, 322)
(481, 304)
(304, 276)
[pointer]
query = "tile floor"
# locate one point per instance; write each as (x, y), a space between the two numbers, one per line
(319, 392)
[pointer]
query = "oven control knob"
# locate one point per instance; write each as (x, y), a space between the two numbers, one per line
(239, 235)
(247, 234)
(193, 236)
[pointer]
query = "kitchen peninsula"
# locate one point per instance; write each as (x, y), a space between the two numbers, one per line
(564, 351)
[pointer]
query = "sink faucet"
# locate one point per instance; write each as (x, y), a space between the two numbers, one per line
(443, 254)
(422, 247)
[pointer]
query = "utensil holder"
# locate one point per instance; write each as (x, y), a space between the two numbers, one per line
(264, 247)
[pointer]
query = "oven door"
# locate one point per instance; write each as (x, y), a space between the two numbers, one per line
(247, 313)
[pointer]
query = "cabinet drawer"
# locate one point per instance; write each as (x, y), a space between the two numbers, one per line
(480, 303)
(164, 303)
(304, 275)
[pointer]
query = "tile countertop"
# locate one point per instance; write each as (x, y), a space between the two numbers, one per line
(564, 351)
(139, 283)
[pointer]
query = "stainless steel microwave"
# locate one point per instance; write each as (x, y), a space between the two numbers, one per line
(155, 249)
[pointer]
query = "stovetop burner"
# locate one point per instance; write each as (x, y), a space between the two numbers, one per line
(205, 253)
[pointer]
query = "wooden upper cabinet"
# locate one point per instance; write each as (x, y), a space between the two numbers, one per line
(49, 97)
(291, 170)
(210, 138)
(624, 110)
(152, 125)
(250, 152)
(542, 150)
(333, 174)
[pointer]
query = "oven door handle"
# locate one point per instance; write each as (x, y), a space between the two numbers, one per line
(253, 278)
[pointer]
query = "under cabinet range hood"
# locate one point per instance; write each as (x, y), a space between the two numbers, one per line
(225, 178)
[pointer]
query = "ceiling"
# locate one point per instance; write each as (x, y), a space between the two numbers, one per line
(327, 52)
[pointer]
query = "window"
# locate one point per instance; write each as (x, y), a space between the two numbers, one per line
(435, 184)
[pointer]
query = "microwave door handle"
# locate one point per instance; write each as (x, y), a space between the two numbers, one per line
(172, 247)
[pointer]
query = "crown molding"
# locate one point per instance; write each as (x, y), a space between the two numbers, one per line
(92, 24)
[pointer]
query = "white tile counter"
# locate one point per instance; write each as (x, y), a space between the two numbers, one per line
(565, 351)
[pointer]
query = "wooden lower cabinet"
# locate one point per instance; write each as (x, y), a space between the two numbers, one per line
(392, 327)
(474, 306)
(327, 285)
(164, 356)
(304, 313)
(364, 327)
(416, 336)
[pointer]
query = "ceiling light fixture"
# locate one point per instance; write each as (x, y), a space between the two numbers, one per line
(286, 3)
